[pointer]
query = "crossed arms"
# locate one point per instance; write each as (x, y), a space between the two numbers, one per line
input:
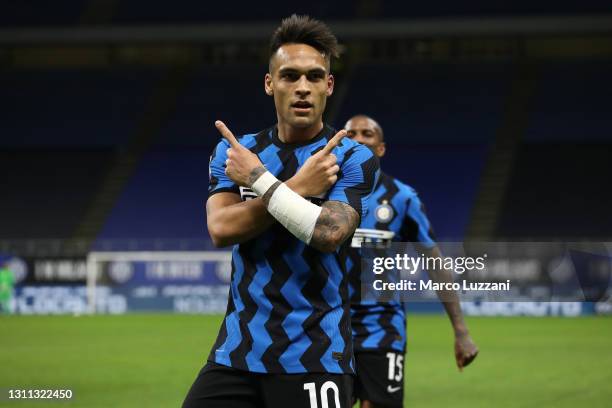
(232, 221)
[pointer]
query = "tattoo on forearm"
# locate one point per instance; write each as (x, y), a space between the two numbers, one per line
(336, 223)
(255, 173)
(268, 194)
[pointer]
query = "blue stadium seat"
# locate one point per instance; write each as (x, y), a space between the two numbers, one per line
(70, 107)
(447, 179)
(430, 103)
(164, 199)
(234, 94)
(45, 193)
(572, 103)
(559, 191)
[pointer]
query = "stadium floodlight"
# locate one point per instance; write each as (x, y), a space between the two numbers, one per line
(95, 260)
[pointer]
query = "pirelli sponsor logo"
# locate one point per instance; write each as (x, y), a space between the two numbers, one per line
(247, 194)
(374, 236)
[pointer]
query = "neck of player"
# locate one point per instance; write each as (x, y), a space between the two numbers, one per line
(292, 134)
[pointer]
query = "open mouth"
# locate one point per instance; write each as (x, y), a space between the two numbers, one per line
(301, 106)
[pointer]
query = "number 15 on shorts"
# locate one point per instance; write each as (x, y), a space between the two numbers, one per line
(396, 366)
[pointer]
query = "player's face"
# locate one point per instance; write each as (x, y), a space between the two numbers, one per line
(300, 82)
(363, 130)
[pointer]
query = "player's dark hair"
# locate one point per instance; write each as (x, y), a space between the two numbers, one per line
(305, 30)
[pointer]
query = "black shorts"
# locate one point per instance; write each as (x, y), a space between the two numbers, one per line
(219, 386)
(380, 377)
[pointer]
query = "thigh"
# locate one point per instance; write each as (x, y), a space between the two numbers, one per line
(308, 390)
(217, 386)
(380, 378)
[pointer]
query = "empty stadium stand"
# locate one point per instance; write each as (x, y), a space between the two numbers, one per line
(232, 93)
(445, 103)
(61, 129)
(559, 192)
(163, 200)
(572, 102)
(560, 185)
(60, 133)
(95, 108)
(46, 192)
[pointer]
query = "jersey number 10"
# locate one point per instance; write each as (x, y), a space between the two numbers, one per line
(328, 385)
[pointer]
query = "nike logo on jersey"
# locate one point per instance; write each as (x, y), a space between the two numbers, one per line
(391, 389)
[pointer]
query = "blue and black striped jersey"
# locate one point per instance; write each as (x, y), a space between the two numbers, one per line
(396, 214)
(288, 309)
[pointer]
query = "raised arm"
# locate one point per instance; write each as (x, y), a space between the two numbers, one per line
(231, 220)
(335, 222)
(326, 227)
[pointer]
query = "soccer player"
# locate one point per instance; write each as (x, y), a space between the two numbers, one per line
(286, 337)
(7, 283)
(379, 329)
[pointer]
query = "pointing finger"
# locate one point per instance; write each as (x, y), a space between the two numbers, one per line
(227, 134)
(334, 141)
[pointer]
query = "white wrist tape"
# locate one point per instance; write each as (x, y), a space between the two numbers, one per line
(295, 213)
(263, 183)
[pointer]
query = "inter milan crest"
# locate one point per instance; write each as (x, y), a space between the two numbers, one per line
(384, 212)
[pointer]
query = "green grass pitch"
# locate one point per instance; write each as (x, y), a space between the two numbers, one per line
(151, 360)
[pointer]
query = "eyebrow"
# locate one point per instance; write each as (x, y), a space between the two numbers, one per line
(289, 70)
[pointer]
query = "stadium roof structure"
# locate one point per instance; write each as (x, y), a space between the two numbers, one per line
(357, 29)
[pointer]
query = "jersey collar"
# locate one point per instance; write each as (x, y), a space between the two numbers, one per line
(326, 132)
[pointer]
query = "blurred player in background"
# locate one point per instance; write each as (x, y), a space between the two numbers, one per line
(7, 283)
(379, 328)
(286, 338)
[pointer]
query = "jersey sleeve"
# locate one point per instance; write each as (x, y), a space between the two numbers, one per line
(218, 181)
(416, 226)
(358, 174)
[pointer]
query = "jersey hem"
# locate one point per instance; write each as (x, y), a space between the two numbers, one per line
(377, 350)
(299, 370)
(224, 190)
